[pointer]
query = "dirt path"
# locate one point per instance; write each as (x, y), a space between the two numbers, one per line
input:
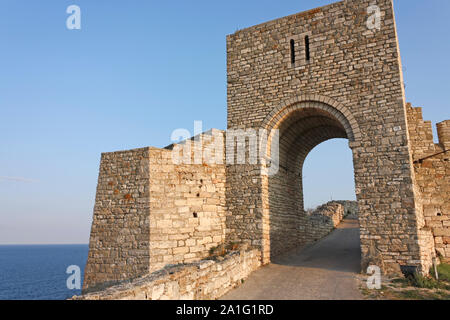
(326, 270)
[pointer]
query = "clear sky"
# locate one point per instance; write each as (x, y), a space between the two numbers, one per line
(136, 71)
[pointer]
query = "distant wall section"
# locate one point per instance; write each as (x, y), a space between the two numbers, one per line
(432, 175)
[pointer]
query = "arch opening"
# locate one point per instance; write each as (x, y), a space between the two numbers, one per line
(328, 174)
(301, 127)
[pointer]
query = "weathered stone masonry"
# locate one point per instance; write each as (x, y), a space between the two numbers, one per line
(202, 280)
(151, 212)
(351, 87)
(119, 246)
(323, 220)
(432, 171)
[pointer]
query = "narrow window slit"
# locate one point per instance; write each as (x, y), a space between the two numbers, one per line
(307, 53)
(292, 51)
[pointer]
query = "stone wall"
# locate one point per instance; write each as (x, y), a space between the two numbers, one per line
(350, 207)
(351, 87)
(150, 212)
(323, 220)
(203, 280)
(432, 172)
(119, 246)
(187, 207)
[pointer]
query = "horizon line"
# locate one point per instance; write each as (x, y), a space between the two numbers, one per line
(41, 244)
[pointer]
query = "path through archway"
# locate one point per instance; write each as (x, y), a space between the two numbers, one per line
(302, 127)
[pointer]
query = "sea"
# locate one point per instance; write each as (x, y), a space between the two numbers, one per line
(39, 272)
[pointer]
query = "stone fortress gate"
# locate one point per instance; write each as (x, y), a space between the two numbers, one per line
(331, 72)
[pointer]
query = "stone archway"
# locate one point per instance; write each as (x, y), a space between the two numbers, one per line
(302, 125)
(362, 75)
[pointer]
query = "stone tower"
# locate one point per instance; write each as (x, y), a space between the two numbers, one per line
(331, 72)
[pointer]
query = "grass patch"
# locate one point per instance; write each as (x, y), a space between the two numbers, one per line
(401, 281)
(415, 287)
(421, 295)
(423, 282)
(428, 282)
(443, 271)
(223, 249)
(420, 281)
(412, 295)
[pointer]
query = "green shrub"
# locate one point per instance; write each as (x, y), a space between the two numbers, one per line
(420, 281)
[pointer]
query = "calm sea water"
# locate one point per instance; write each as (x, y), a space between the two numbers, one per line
(39, 271)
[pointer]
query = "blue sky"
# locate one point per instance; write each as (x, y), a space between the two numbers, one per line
(136, 71)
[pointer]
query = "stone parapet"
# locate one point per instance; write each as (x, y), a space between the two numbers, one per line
(322, 221)
(203, 280)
